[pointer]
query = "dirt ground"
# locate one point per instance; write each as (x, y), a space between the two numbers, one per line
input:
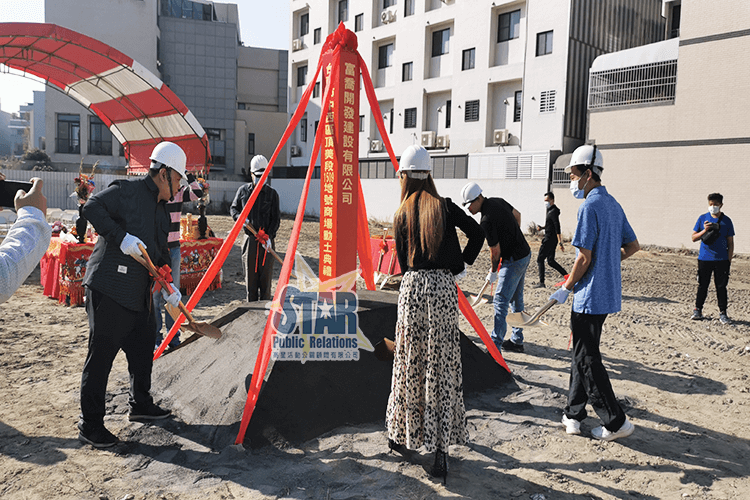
(684, 385)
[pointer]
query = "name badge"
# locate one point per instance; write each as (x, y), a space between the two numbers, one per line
(122, 269)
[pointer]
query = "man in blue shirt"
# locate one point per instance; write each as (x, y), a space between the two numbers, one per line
(603, 238)
(716, 232)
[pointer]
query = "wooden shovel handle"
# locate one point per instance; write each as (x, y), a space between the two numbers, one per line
(250, 228)
(152, 269)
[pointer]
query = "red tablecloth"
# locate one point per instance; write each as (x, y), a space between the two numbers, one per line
(196, 257)
(64, 265)
(62, 269)
(389, 263)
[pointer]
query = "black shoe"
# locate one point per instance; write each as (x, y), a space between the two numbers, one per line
(511, 346)
(398, 448)
(152, 412)
(97, 436)
(440, 467)
(539, 285)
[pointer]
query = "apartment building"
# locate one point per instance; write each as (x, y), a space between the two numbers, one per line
(672, 121)
(496, 90)
(237, 93)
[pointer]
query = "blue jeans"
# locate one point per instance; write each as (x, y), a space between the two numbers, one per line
(174, 256)
(509, 291)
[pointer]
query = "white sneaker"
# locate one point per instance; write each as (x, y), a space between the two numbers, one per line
(571, 426)
(606, 435)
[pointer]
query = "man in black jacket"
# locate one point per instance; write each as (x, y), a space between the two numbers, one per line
(265, 218)
(552, 239)
(118, 298)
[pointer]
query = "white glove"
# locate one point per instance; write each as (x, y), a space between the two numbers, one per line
(129, 245)
(461, 275)
(172, 299)
(267, 244)
(492, 277)
(561, 295)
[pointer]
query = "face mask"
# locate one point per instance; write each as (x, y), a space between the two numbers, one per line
(714, 209)
(578, 194)
(547, 204)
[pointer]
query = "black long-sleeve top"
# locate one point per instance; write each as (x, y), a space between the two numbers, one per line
(265, 214)
(450, 255)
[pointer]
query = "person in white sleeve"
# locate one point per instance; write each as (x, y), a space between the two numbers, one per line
(26, 241)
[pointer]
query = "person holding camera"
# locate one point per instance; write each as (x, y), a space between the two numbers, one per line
(716, 233)
(26, 241)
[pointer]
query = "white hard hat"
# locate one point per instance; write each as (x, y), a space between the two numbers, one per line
(470, 192)
(587, 156)
(415, 158)
(258, 164)
(171, 155)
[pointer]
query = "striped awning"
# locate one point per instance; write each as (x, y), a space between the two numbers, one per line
(139, 109)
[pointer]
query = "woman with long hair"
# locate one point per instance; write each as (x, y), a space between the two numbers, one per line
(426, 404)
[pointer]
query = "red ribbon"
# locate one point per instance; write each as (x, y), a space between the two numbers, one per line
(383, 246)
(164, 274)
(262, 238)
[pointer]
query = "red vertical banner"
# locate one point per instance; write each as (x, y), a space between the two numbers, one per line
(339, 168)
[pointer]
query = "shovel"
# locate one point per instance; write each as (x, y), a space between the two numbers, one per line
(202, 328)
(479, 298)
(273, 253)
(377, 272)
(521, 319)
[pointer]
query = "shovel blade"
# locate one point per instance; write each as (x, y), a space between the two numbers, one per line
(519, 319)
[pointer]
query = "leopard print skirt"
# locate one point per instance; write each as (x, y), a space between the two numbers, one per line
(426, 404)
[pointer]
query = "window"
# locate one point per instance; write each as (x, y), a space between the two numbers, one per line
(251, 144)
(100, 138)
(303, 129)
(186, 9)
(343, 11)
(315, 128)
(304, 24)
(316, 89)
(68, 134)
(301, 75)
(218, 146)
(448, 114)
(388, 3)
(471, 111)
(547, 101)
(359, 22)
(390, 122)
(316, 36)
(508, 26)
(361, 123)
(544, 43)
(410, 118)
(406, 72)
(517, 106)
(385, 56)
(241, 105)
(408, 8)
(468, 59)
(440, 42)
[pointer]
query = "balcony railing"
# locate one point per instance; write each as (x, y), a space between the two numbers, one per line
(647, 83)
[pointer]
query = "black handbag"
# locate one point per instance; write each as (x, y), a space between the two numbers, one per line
(710, 236)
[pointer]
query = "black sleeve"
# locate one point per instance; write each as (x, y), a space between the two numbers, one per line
(490, 231)
(275, 215)
(99, 210)
(556, 222)
(401, 248)
(470, 228)
(236, 208)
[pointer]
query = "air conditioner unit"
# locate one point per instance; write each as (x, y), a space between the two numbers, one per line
(442, 141)
(388, 15)
(376, 146)
(500, 136)
(428, 139)
(295, 150)
(297, 44)
(447, 1)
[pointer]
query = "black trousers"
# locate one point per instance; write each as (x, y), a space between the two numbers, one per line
(111, 328)
(589, 382)
(720, 270)
(260, 279)
(547, 251)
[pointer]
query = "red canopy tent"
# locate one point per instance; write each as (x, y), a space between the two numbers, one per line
(139, 109)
